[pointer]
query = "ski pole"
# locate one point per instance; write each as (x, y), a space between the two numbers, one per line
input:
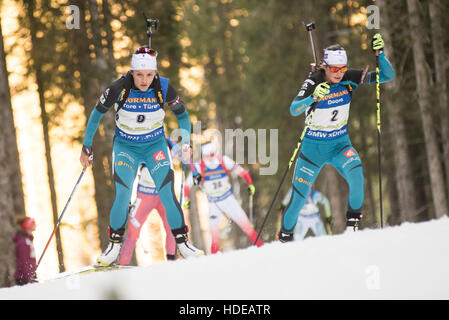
(292, 159)
(250, 208)
(309, 27)
(182, 181)
(379, 150)
(60, 218)
(328, 228)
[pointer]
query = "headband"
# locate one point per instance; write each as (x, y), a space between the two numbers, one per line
(143, 61)
(332, 57)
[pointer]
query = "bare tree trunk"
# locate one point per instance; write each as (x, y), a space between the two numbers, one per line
(14, 172)
(11, 195)
(402, 173)
(336, 195)
(109, 38)
(393, 218)
(50, 172)
(423, 79)
(30, 8)
(100, 59)
(195, 225)
(438, 36)
(90, 91)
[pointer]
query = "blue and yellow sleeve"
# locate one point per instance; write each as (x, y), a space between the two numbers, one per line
(386, 71)
(298, 106)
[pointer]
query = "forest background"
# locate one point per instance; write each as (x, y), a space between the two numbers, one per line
(237, 64)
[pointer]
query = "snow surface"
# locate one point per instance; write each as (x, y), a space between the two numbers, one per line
(410, 261)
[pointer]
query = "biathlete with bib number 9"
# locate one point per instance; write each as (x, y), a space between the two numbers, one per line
(138, 99)
(326, 140)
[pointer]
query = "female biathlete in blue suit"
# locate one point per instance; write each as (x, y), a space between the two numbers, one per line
(138, 99)
(326, 141)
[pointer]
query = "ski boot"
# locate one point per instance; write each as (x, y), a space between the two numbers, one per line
(186, 249)
(112, 252)
(285, 236)
(171, 257)
(352, 220)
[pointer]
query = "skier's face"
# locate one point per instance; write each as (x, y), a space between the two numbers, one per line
(209, 156)
(335, 73)
(143, 78)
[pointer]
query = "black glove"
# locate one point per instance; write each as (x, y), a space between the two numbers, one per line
(89, 152)
(197, 179)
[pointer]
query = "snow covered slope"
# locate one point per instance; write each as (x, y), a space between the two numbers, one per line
(410, 261)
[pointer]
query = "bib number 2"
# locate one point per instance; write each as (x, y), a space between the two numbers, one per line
(334, 115)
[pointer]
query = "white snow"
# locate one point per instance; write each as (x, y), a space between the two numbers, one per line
(410, 261)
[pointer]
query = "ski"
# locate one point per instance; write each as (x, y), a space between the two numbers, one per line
(88, 269)
(95, 268)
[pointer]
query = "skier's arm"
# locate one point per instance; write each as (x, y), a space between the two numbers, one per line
(304, 98)
(238, 170)
(92, 126)
(298, 106)
(177, 107)
(245, 175)
(386, 72)
(306, 95)
(108, 98)
(242, 173)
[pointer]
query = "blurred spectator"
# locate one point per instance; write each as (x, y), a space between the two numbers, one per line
(25, 256)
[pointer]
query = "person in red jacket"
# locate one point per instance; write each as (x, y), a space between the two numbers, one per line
(25, 256)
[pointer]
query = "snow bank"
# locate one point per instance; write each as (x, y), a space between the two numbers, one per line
(410, 261)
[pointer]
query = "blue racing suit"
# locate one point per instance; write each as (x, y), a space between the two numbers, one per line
(140, 138)
(326, 141)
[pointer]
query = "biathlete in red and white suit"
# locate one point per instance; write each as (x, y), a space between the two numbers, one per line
(215, 183)
(148, 199)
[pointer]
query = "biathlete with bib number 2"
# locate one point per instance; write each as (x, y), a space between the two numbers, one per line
(326, 140)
